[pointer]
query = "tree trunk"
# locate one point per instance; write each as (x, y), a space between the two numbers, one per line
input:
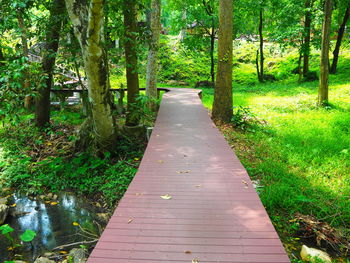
(212, 47)
(25, 50)
(307, 36)
(341, 30)
(132, 77)
(262, 58)
(222, 106)
(42, 107)
(152, 65)
(2, 57)
(184, 28)
(324, 66)
(88, 21)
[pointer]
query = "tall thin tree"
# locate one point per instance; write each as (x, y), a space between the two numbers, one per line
(324, 65)
(131, 60)
(307, 36)
(42, 107)
(222, 106)
(152, 65)
(341, 31)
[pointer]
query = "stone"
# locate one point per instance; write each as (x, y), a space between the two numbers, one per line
(78, 255)
(43, 260)
(314, 255)
(3, 200)
(55, 197)
(104, 217)
(48, 254)
(50, 195)
(4, 210)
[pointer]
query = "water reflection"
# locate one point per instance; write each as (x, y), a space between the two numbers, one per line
(52, 222)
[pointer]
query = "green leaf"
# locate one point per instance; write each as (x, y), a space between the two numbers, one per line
(28, 235)
(5, 229)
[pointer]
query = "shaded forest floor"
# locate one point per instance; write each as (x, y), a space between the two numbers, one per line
(34, 161)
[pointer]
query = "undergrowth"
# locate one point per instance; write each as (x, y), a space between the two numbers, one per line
(35, 161)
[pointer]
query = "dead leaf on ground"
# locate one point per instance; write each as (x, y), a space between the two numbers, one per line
(245, 183)
(195, 261)
(160, 161)
(130, 220)
(166, 197)
(188, 252)
(183, 172)
(138, 194)
(198, 185)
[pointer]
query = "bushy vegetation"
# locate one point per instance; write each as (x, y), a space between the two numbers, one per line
(35, 161)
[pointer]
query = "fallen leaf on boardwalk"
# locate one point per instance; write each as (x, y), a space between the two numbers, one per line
(130, 220)
(183, 172)
(245, 183)
(195, 261)
(53, 203)
(75, 224)
(14, 205)
(160, 161)
(188, 252)
(138, 194)
(198, 185)
(166, 197)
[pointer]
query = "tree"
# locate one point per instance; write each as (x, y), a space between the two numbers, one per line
(42, 107)
(131, 60)
(222, 106)
(261, 50)
(324, 66)
(307, 36)
(152, 66)
(341, 31)
(87, 18)
(201, 17)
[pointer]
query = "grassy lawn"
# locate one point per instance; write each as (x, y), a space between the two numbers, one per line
(301, 156)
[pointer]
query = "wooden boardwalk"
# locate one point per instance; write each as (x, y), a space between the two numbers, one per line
(209, 210)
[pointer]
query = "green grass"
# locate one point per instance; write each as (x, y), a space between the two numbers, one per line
(302, 155)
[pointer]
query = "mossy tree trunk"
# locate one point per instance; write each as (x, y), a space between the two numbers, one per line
(152, 65)
(88, 21)
(42, 103)
(222, 106)
(324, 65)
(341, 31)
(25, 51)
(307, 36)
(132, 76)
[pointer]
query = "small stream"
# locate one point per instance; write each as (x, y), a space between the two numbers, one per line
(53, 223)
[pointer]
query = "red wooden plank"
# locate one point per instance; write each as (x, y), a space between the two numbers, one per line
(214, 211)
